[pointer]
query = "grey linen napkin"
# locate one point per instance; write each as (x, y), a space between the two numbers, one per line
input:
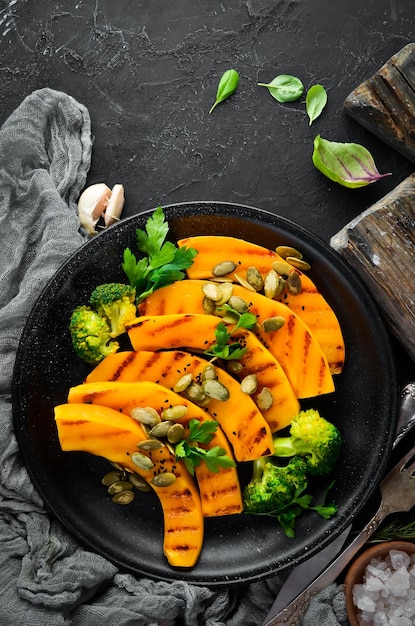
(46, 577)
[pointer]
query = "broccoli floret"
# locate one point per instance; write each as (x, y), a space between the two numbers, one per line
(91, 336)
(312, 437)
(273, 486)
(116, 303)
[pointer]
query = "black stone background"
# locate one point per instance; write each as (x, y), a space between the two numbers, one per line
(148, 73)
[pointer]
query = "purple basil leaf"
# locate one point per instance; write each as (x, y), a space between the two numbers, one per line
(348, 164)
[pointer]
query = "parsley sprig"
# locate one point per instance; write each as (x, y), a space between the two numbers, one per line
(192, 455)
(224, 348)
(287, 515)
(163, 262)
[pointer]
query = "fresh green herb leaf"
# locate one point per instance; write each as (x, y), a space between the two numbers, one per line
(287, 515)
(202, 432)
(164, 263)
(394, 531)
(216, 458)
(285, 88)
(228, 84)
(315, 102)
(192, 455)
(246, 320)
(223, 349)
(326, 510)
(348, 164)
(152, 238)
(136, 271)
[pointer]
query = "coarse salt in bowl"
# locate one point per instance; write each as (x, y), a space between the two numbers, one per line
(380, 586)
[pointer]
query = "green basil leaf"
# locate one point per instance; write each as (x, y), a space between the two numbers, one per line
(348, 164)
(228, 84)
(315, 102)
(285, 88)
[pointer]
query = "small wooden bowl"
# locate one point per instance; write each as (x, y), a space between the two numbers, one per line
(355, 573)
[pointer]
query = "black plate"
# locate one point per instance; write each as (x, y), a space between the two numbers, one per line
(236, 548)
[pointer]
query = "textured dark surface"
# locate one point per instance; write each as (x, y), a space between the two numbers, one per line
(237, 547)
(148, 73)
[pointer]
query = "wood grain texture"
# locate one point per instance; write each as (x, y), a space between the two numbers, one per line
(385, 103)
(380, 245)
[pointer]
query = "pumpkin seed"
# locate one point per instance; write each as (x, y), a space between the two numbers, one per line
(164, 480)
(300, 264)
(265, 399)
(209, 306)
(271, 284)
(226, 291)
(234, 367)
(228, 317)
(194, 392)
(238, 304)
(145, 415)
(112, 477)
(183, 383)
(212, 291)
(244, 282)
(254, 278)
(294, 283)
(175, 433)
(281, 286)
(288, 251)
(149, 444)
(223, 268)
(142, 461)
(160, 430)
(202, 403)
(249, 384)
(209, 372)
(174, 413)
(124, 497)
(120, 485)
(215, 390)
(281, 267)
(273, 323)
(139, 483)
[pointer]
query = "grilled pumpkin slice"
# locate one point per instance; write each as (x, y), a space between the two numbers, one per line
(247, 431)
(168, 366)
(293, 346)
(309, 304)
(220, 491)
(105, 432)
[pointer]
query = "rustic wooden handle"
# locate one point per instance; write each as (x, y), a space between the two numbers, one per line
(385, 103)
(380, 245)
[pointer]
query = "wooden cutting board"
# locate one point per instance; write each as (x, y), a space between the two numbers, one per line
(380, 243)
(385, 103)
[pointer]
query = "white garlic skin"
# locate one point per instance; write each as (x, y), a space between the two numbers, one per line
(96, 201)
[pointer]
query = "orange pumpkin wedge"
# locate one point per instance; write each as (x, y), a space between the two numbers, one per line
(310, 304)
(104, 432)
(293, 346)
(220, 492)
(250, 436)
(167, 367)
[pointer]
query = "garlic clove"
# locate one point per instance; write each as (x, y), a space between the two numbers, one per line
(115, 205)
(92, 204)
